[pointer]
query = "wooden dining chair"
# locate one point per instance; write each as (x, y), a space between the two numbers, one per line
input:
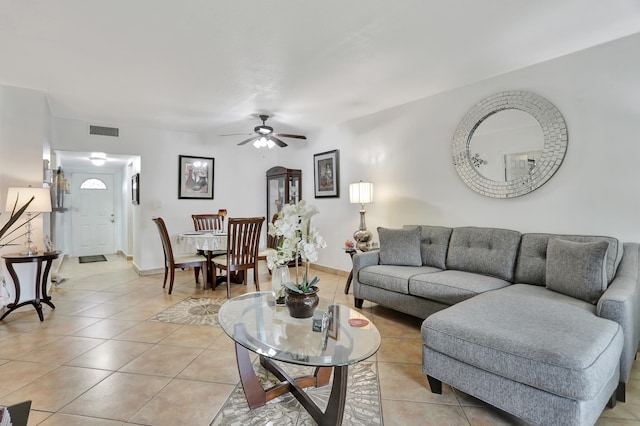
(272, 244)
(206, 222)
(171, 261)
(243, 237)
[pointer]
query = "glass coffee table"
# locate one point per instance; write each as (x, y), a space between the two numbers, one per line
(257, 324)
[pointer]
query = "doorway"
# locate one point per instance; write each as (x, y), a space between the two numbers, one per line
(93, 214)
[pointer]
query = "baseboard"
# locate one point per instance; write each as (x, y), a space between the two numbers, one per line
(147, 271)
(329, 270)
(125, 255)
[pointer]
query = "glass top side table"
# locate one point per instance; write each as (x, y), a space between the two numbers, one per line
(256, 324)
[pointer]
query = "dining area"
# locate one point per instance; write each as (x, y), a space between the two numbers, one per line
(223, 252)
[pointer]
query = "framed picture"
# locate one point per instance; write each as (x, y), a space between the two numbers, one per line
(135, 188)
(326, 174)
(195, 177)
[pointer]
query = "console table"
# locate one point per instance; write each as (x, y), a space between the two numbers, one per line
(43, 261)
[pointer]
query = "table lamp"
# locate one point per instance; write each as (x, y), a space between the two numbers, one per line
(361, 193)
(41, 204)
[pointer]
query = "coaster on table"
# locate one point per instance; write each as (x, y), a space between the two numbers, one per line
(358, 322)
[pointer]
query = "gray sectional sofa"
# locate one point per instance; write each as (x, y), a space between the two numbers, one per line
(543, 326)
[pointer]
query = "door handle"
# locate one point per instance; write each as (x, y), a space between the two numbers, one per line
(112, 218)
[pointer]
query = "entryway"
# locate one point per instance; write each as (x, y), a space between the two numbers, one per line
(93, 214)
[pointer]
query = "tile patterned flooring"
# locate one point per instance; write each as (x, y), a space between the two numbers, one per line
(98, 359)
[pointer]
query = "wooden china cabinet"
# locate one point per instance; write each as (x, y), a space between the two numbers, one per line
(283, 186)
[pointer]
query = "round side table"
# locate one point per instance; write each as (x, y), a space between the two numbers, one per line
(42, 259)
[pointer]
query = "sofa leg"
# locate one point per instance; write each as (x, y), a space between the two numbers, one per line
(621, 392)
(435, 385)
(612, 401)
(358, 302)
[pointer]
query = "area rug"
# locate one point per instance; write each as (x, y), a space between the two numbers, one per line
(194, 310)
(362, 407)
(91, 259)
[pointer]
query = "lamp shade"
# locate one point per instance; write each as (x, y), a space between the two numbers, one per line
(361, 193)
(41, 202)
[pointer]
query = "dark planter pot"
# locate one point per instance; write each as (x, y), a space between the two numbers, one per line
(302, 305)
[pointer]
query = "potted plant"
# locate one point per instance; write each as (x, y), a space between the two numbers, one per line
(4, 232)
(299, 242)
(15, 215)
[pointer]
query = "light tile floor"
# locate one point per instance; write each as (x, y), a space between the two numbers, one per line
(98, 360)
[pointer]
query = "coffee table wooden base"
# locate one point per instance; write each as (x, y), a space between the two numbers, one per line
(257, 396)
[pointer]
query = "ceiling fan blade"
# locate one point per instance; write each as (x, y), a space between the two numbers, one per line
(238, 134)
(278, 142)
(286, 135)
(248, 140)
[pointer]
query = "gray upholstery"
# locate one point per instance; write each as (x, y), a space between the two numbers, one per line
(620, 303)
(451, 287)
(415, 306)
(392, 277)
(400, 246)
(541, 355)
(434, 243)
(530, 335)
(532, 258)
(577, 269)
(486, 251)
(533, 405)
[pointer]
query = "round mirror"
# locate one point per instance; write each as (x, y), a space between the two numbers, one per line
(509, 144)
(506, 145)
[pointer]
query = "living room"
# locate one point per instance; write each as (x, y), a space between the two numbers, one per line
(400, 141)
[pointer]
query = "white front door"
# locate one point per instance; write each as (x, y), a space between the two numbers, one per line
(92, 219)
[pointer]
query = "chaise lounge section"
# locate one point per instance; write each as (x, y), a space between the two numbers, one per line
(543, 326)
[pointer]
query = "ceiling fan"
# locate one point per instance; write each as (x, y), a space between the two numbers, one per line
(263, 136)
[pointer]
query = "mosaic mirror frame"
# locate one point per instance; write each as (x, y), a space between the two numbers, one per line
(555, 143)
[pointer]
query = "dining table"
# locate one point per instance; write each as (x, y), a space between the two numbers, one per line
(212, 243)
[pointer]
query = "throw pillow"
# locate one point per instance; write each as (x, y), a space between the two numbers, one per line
(400, 246)
(577, 269)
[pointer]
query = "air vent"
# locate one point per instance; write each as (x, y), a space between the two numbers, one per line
(104, 131)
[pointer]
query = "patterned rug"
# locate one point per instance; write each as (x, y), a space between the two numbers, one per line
(194, 310)
(362, 405)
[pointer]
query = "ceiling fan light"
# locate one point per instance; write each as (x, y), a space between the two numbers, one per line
(256, 143)
(271, 143)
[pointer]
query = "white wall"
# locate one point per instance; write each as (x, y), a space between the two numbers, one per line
(406, 152)
(239, 179)
(25, 122)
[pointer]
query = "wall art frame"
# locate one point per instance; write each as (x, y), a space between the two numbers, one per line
(195, 177)
(135, 189)
(326, 174)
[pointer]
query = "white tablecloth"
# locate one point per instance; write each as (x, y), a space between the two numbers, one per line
(204, 240)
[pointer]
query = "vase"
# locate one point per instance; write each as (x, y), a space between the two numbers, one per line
(301, 305)
(278, 277)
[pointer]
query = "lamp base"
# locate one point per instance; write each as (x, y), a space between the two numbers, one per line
(363, 238)
(30, 252)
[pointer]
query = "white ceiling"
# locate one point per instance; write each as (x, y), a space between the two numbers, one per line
(202, 65)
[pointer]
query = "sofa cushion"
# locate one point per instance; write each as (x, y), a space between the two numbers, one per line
(451, 286)
(532, 258)
(487, 251)
(400, 246)
(577, 269)
(391, 277)
(531, 335)
(434, 243)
